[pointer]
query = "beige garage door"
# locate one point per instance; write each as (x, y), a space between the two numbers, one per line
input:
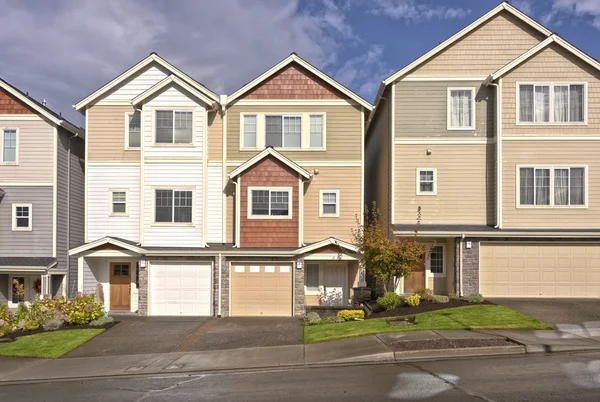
(261, 290)
(539, 270)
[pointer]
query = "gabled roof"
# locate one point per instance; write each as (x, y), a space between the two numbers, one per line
(41, 109)
(294, 58)
(153, 58)
(164, 83)
(538, 48)
(270, 152)
(330, 241)
(122, 243)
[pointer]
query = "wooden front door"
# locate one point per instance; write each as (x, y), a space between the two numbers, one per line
(120, 286)
(416, 279)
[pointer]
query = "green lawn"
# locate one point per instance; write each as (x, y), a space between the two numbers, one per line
(48, 345)
(481, 316)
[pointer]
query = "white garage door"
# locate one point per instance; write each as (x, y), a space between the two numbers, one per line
(539, 270)
(180, 289)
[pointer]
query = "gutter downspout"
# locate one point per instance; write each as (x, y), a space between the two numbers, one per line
(498, 154)
(460, 266)
(220, 269)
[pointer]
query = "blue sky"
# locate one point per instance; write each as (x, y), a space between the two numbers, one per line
(62, 50)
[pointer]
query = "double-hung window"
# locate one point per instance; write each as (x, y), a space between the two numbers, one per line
(461, 108)
(134, 129)
(250, 130)
(275, 203)
(118, 202)
(552, 186)
(174, 127)
(436, 260)
(312, 278)
(551, 103)
(316, 131)
(9, 146)
(22, 219)
(173, 206)
(283, 131)
(330, 201)
(426, 184)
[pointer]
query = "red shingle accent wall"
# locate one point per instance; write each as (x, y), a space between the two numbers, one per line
(269, 172)
(10, 105)
(294, 82)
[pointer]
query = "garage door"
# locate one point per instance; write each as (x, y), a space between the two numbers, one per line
(261, 290)
(539, 270)
(180, 289)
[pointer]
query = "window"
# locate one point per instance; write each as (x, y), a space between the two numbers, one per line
(316, 131)
(565, 184)
(120, 269)
(270, 203)
(283, 131)
(249, 137)
(22, 217)
(461, 110)
(134, 129)
(9, 146)
(436, 260)
(426, 182)
(329, 203)
(174, 127)
(118, 202)
(16, 298)
(312, 278)
(552, 103)
(173, 206)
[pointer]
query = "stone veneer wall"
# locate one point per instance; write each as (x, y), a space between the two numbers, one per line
(299, 303)
(143, 290)
(471, 267)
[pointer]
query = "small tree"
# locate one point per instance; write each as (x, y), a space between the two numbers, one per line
(385, 258)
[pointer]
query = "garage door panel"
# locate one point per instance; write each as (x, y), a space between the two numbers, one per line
(261, 290)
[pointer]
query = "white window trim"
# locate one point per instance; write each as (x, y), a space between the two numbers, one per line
(551, 122)
(14, 217)
(418, 189)
(173, 109)
(551, 167)
(283, 116)
(110, 201)
(444, 271)
(10, 288)
(290, 202)
(259, 141)
(127, 115)
(185, 224)
(320, 285)
(2, 162)
(337, 204)
(324, 116)
(473, 108)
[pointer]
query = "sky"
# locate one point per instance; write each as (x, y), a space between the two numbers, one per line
(63, 50)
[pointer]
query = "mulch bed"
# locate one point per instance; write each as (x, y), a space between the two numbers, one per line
(19, 333)
(424, 307)
(448, 344)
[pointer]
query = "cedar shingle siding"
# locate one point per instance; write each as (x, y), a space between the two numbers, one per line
(9, 105)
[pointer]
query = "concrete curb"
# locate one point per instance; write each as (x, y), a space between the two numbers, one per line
(410, 355)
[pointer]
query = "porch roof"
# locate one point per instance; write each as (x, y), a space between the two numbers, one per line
(8, 264)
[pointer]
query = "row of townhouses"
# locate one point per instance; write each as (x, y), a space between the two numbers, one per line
(176, 200)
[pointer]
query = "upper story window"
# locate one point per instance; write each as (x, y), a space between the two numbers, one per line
(250, 129)
(552, 186)
(330, 201)
(436, 260)
(173, 206)
(9, 146)
(551, 103)
(461, 109)
(316, 131)
(270, 203)
(426, 182)
(118, 202)
(290, 131)
(134, 129)
(283, 131)
(22, 219)
(174, 127)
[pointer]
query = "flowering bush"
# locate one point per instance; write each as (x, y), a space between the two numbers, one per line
(81, 309)
(6, 320)
(413, 301)
(350, 315)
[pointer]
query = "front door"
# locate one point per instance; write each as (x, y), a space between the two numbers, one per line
(335, 283)
(120, 286)
(416, 279)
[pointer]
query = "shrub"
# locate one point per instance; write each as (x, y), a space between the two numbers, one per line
(413, 301)
(474, 298)
(389, 301)
(453, 296)
(350, 315)
(331, 320)
(6, 327)
(81, 309)
(52, 324)
(440, 299)
(98, 322)
(21, 314)
(312, 318)
(425, 294)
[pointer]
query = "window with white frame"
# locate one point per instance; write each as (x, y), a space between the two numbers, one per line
(9, 146)
(316, 131)
(134, 129)
(118, 202)
(174, 127)
(330, 201)
(551, 103)
(283, 131)
(173, 206)
(270, 203)
(250, 129)
(22, 217)
(16, 295)
(436, 260)
(426, 182)
(312, 277)
(552, 186)
(461, 108)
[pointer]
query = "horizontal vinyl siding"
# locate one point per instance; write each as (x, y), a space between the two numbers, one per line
(550, 153)
(552, 65)
(485, 50)
(343, 132)
(422, 109)
(215, 136)
(329, 178)
(465, 184)
(215, 204)
(137, 84)
(229, 209)
(106, 135)
(35, 145)
(77, 209)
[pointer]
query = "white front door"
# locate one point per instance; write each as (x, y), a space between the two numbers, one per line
(335, 283)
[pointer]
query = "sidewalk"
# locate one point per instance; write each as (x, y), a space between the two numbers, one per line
(355, 350)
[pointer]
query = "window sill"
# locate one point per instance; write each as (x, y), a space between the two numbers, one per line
(159, 145)
(269, 217)
(329, 215)
(427, 194)
(9, 163)
(172, 224)
(133, 148)
(118, 215)
(22, 230)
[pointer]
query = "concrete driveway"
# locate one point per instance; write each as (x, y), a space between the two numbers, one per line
(140, 335)
(556, 311)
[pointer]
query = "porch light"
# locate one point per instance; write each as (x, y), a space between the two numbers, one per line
(142, 263)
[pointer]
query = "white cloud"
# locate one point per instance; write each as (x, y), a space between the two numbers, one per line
(415, 10)
(525, 6)
(587, 9)
(365, 71)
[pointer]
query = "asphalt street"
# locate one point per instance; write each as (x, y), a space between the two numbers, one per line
(553, 377)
